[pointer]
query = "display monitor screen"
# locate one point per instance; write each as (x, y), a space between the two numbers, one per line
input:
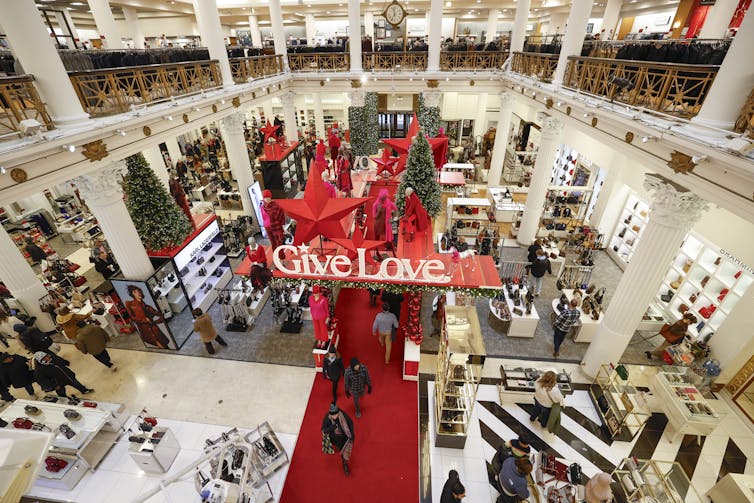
(255, 193)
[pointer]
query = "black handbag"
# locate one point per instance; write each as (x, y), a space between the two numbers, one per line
(560, 227)
(602, 402)
(665, 297)
(572, 200)
(556, 211)
(574, 473)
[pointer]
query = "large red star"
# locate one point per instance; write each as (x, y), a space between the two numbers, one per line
(269, 130)
(385, 163)
(317, 214)
(357, 241)
(401, 145)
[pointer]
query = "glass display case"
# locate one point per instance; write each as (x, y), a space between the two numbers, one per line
(520, 379)
(640, 480)
(687, 410)
(459, 367)
(621, 407)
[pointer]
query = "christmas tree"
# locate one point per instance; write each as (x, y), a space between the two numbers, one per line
(429, 117)
(365, 130)
(158, 220)
(422, 176)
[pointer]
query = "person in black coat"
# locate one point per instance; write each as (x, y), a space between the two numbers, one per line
(453, 491)
(15, 372)
(532, 250)
(394, 300)
(333, 369)
(52, 375)
(36, 253)
(32, 338)
(537, 270)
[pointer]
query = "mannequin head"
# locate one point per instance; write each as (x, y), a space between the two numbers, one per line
(252, 242)
(316, 291)
(409, 191)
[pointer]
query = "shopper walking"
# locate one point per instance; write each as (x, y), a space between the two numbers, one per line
(513, 480)
(356, 379)
(92, 340)
(383, 327)
(15, 372)
(36, 253)
(32, 339)
(537, 270)
(206, 328)
(453, 491)
(337, 430)
(7, 322)
(394, 300)
(333, 369)
(673, 334)
(519, 447)
(546, 394)
(532, 250)
(598, 489)
(563, 323)
(52, 374)
(68, 322)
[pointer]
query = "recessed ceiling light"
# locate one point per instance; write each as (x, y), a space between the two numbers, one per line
(167, 117)
(120, 132)
(448, 4)
(69, 148)
(2, 170)
(78, 3)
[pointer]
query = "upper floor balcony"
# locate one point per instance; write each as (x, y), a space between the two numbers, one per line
(396, 61)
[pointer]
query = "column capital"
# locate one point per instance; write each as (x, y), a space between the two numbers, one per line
(102, 188)
(233, 123)
(507, 99)
(551, 127)
(431, 98)
(287, 98)
(671, 205)
(357, 98)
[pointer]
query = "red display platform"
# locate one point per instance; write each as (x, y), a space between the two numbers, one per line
(201, 221)
(282, 154)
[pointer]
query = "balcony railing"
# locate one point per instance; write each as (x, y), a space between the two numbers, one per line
(255, 67)
(114, 90)
(319, 62)
(20, 101)
(666, 87)
(472, 60)
(535, 64)
(397, 61)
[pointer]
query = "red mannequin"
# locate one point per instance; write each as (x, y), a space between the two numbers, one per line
(415, 217)
(320, 311)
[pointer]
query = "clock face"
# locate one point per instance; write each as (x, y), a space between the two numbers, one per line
(394, 14)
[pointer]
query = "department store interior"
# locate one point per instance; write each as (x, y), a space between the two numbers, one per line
(210, 208)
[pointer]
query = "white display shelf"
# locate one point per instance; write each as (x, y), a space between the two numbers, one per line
(205, 299)
(638, 210)
(521, 325)
(196, 282)
(193, 267)
(155, 456)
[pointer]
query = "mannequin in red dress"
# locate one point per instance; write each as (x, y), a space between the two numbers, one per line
(343, 171)
(415, 217)
(259, 273)
(320, 311)
(319, 157)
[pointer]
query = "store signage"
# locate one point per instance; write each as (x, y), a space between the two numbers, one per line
(736, 261)
(302, 263)
(196, 245)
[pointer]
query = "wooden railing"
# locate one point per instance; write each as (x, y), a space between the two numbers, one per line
(472, 60)
(535, 64)
(20, 101)
(114, 90)
(666, 87)
(319, 62)
(397, 61)
(255, 67)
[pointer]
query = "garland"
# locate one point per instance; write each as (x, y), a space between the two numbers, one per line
(364, 124)
(429, 117)
(390, 287)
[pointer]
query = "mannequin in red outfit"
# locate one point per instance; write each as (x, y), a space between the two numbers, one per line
(415, 217)
(259, 273)
(320, 311)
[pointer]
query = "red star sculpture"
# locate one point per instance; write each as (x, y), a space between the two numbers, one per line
(357, 241)
(401, 145)
(317, 214)
(385, 163)
(269, 131)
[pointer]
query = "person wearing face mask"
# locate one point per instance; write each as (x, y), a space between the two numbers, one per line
(537, 270)
(333, 369)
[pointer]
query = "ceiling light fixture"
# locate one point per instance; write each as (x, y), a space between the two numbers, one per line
(3, 170)
(586, 115)
(363, 78)
(167, 117)
(222, 102)
(197, 109)
(120, 132)
(69, 148)
(328, 79)
(559, 103)
(448, 4)
(699, 158)
(645, 139)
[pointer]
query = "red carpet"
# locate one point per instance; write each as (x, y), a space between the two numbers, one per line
(385, 460)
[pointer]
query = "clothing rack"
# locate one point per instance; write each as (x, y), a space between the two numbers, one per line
(237, 306)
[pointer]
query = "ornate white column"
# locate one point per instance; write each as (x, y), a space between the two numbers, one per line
(134, 26)
(540, 180)
(573, 39)
(491, 25)
(208, 21)
(22, 281)
(733, 82)
(104, 196)
(32, 46)
(610, 19)
(311, 30)
(718, 19)
(238, 157)
(673, 211)
(354, 34)
(256, 35)
(289, 115)
(319, 116)
(369, 25)
(435, 35)
(156, 161)
(278, 35)
(103, 18)
(519, 25)
(501, 139)
(481, 115)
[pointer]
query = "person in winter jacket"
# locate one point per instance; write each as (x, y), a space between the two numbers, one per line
(68, 322)
(32, 338)
(453, 491)
(52, 375)
(15, 372)
(203, 324)
(537, 270)
(333, 369)
(92, 340)
(356, 379)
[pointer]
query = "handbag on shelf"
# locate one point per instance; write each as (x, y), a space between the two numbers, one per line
(666, 297)
(636, 228)
(704, 282)
(675, 284)
(683, 308)
(627, 220)
(622, 372)
(687, 265)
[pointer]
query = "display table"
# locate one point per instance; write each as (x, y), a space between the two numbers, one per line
(687, 410)
(199, 193)
(556, 264)
(733, 487)
(521, 380)
(519, 325)
(587, 327)
(84, 451)
(157, 452)
(411, 357)
(465, 167)
(452, 179)
(72, 231)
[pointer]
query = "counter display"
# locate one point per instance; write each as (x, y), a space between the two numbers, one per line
(585, 330)
(513, 313)
(687, 410)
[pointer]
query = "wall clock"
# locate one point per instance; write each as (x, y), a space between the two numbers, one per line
(394, 13)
